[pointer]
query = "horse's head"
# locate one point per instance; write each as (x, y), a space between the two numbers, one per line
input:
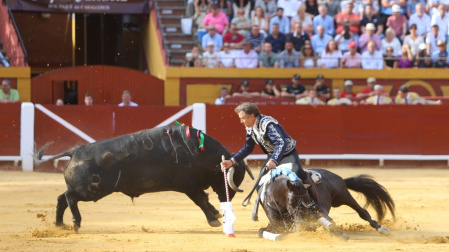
(298, 197)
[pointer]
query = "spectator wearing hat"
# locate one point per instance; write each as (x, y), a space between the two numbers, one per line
(256, 38)
(440, 58)
(320, 40)
(295, 90)
(441, 19)
(398, 22)
(247, 57)
(224, 94)
(379, 97)
(270, 90)
(211, 59)
(390, 59)
(330, 57)
(372, 59)
(387, 8)
(298, 37)
(213, 36)
(368, 90)
(369, 17)
(310, 99)
(422, 59)
(289, 58)
(276, 38)
(242, 22)
(324, 20)
(413, 39)
(348, 93)
(391, 40)
(282, 21)
(8, 94)
(404, 96)
(344, 38)
(267, 58)
(227, 57)
(432, 38)
(216, 18)
(349, 19)
(244, 91)
(321, 89)
(338, 98)
(420, 19)
(233, 38)
(369, 35)
(351, 59)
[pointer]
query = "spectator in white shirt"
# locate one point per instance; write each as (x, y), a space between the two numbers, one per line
(441, 19)
(211, 58)
(224, 93)
(246, 58)
(432, 37)
(421, 19)
(330, 57)
(126, 100)
(372, 59)
(391, 40)
(226, 56)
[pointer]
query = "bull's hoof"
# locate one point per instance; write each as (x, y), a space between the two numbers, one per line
(218, 216)
(214, 223)
(76, 227)
(383, 230)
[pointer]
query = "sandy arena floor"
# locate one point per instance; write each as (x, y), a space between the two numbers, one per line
(169, 221)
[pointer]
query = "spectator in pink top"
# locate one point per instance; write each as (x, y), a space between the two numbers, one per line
(351, 59)
(368, 36)
(398, 22)
(217, 18)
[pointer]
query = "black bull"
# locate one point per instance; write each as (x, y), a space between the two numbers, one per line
(155, 160)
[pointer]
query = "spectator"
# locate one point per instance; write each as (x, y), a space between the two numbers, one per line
(307, 57)
(311, 7)
(261, 20)
(321, 89)
(338, 99)
(3, 59)
(295, 90)
(441, 19)
(225, 7)
(210, 57)
(405, 60)
(126, 100)
(412, 98)
(375, 8)
(304, 19)
(233, 38)
(411, 6)
(372, 59)
(298, 37)
(216, 18)
(59, 102)
(201, 9)
(422, 59)
(256, 38)
(227, 57)
(325, 21)
(269, 7)
(333, 7)
(267, 58)
(290, 7)
(392, 41)
(398, 22)
(368, 90)
(379, 97)
(348, 18)
(270, 90)
(432, 6)
(368, 36)
(289, 58)
(242, 21)
(351, 59)
(432, 37)
(244, 91)
(369, 17)
(310, 99)
(213, 36)
(330, 57)
(281, 20)
(246, 58)
(242, 4)
(193, 58)
(224, 94)
(320, 40)
(8, 94)
(421, 19)
(413, 39)
(88, 100)
(276, 39)
(386, 8)
(390, 59)
(357, 6)
(440, 57)
(344, 38)
(348, 93)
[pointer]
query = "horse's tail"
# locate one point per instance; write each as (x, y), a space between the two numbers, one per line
(376, 195)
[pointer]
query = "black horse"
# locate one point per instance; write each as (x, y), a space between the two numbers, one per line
(288, 204)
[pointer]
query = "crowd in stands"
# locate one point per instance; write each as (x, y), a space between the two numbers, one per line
(320, 93)
(367, 34)
(4, 60)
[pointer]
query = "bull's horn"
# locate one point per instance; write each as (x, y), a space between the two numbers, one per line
(231, 180)
(248, 170)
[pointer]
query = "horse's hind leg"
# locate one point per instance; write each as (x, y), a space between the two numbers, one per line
(60, 209)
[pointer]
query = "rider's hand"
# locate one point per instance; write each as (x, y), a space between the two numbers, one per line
(271, 165)
(226, 164)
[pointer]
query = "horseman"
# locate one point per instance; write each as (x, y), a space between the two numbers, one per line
(278, 145)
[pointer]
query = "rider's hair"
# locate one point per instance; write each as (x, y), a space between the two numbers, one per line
(248, 108)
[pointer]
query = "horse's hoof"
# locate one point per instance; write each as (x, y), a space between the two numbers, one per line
(76, 227)
(218, 216)
(214, 223)
(383, 230)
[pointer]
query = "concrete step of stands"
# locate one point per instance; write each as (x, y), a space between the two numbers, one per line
(180, 46)
(170, 20)
(171, 12)
(165, 3)
(175, 37)
(179, 55)
(173, 28)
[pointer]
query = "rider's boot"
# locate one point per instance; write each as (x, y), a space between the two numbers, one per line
(324, 218)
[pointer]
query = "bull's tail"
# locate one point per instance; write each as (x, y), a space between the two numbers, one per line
(39, 154)
(376, 195)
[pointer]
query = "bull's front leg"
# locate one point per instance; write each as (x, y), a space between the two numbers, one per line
(201, 199)
(60, 209)
(72, 201)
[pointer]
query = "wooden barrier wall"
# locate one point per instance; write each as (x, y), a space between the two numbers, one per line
(10, 129)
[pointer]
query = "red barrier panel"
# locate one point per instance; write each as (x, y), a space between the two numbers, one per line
(10, 129)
